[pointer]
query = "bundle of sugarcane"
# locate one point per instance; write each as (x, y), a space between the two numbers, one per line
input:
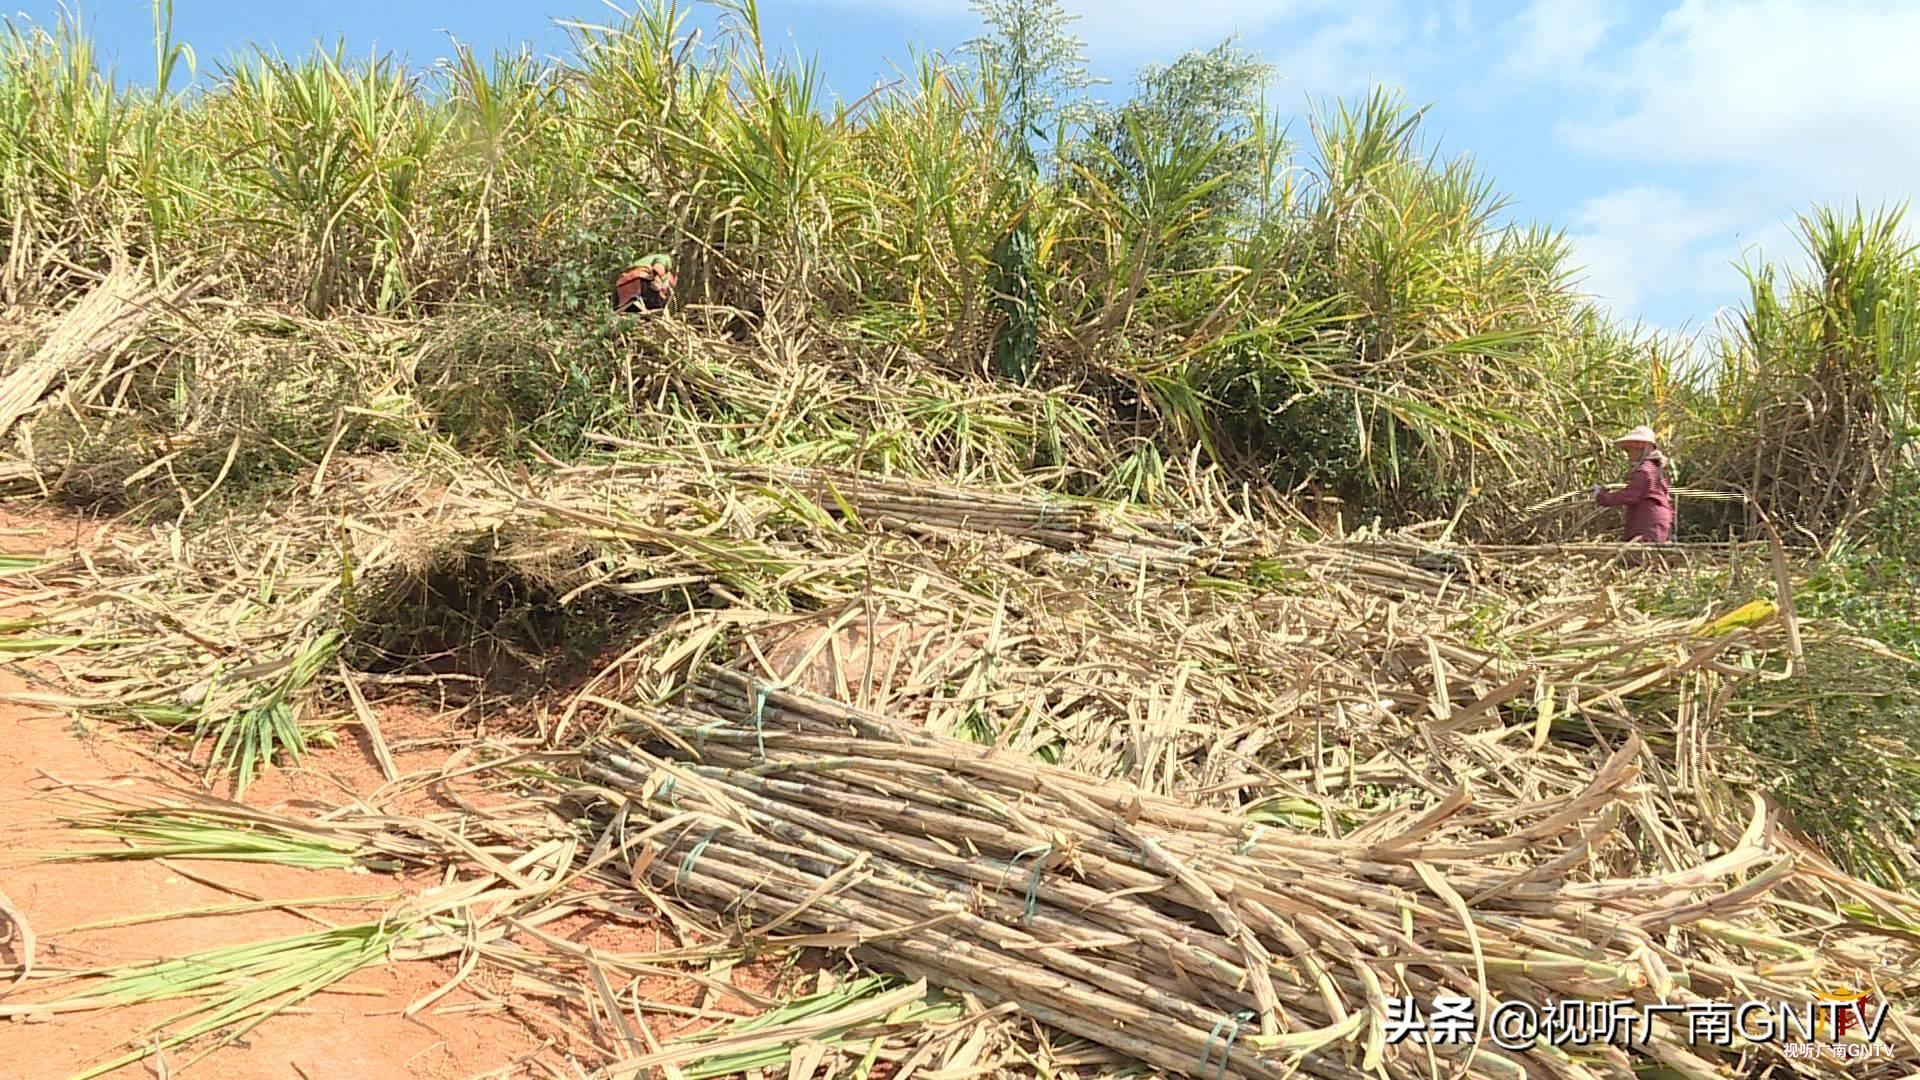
(915, 505)
(1107, 532)
(1099, 535)
(1096, 535)
(1107, 535)
(1186, 938)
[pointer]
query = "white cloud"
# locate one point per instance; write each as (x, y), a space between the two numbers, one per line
(1556, 37)
(1368, 42)
(1821, 93)
(1732, 116)
(1644, 243)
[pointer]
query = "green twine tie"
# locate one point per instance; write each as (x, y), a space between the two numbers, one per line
(1033, 889)
(1033, 883)
(1239, 1020)
(1246, 846)
(700, 735)
(686, 864)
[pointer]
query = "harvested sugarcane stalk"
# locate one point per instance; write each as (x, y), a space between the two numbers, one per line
(1183, 937)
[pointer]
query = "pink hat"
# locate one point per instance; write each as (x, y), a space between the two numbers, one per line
(1643, 433)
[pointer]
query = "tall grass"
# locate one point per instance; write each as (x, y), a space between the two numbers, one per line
(1349, 314)
(1329, 303)
(1813, 405)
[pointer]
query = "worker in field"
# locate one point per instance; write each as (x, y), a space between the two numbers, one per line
(644, 286)
(1648, 496)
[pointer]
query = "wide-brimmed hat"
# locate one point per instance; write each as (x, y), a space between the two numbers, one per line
(1643, 433)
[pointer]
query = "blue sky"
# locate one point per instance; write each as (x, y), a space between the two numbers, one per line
(1667, 138)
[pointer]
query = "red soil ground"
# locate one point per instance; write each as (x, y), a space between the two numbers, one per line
(358, 1032)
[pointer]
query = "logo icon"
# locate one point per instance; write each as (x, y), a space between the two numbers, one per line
(1845, 1023)
(1842, 1009)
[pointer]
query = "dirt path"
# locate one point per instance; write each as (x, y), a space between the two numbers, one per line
(356, 1033)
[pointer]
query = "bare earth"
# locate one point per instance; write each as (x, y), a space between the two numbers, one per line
(358, 1034)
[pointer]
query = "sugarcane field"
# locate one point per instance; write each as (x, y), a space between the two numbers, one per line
(934, 541)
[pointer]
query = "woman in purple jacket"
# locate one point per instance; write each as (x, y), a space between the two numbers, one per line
(1647, 496)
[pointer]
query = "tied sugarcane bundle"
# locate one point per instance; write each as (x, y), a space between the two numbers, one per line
(1186, 938)
(1100, 536)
